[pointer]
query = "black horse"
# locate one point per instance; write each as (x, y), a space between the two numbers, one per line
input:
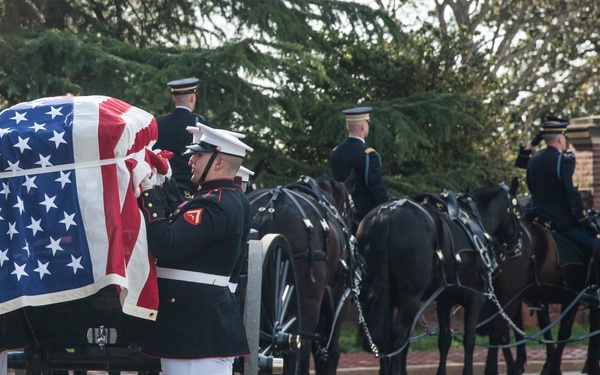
(510, 284)
(313, 214)
(414, 254)
(540, 278)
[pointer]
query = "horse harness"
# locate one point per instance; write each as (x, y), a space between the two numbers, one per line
(304, 190)
(300, 192)
(461, 211)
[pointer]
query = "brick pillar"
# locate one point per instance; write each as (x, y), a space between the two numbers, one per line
(584, 138)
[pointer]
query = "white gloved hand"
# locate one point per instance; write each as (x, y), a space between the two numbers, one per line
(160, 160)
(149, 181)
(161, 178)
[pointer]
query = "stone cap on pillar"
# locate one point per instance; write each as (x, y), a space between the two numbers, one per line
(584, 128)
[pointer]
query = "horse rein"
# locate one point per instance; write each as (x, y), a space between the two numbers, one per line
(515, 213)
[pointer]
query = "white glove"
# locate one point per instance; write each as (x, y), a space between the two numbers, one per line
(161, 178)
(161, 159)
(149, 181)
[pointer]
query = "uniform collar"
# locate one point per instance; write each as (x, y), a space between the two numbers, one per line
(355, 137)
(215, 184)
(185, 108)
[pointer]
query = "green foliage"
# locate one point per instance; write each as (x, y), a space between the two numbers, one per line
(281, 72)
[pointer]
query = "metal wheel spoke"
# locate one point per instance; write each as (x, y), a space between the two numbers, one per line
(280, 315)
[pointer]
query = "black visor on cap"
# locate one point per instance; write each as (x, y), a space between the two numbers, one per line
(202, 147)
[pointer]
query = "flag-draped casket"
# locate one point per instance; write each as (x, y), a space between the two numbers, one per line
(69, 220)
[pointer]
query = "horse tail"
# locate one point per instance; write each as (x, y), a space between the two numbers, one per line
(398, 244)
(374, 244)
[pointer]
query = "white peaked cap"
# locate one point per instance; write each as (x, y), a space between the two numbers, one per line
(207, 139)
(198, 134)
(244, 173)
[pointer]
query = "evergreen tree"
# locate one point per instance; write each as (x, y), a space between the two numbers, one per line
(280, 72)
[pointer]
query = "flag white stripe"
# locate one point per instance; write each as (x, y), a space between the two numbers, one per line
(89, 180)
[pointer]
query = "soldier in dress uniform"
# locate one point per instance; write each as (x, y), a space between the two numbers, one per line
(172, 132)
(556, 200)
(199, 327)
(525, 151)
(353, 155)
(244, 175)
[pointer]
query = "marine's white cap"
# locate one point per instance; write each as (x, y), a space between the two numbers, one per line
(244, 173)
(207, 139)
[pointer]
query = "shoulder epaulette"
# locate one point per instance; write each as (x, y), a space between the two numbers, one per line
(569, 154)
(369, 150)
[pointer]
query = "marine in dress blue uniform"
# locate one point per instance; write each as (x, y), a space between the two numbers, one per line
(173, 134)
(241, 180)
(550, 182)
(353, 155)
(196, 250)
(245, 175)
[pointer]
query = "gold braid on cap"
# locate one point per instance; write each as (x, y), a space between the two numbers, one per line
(184, 89)
(359, 117)
(559, 129)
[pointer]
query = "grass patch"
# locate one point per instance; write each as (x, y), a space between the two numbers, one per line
(350, 342)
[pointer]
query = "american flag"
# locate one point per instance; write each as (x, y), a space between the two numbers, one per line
(69, 220)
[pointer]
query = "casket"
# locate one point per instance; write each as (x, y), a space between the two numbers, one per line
(72, 240)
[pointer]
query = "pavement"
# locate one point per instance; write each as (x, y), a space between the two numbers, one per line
(426, 362)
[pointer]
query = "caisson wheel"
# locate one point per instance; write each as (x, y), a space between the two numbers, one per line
(280, 306)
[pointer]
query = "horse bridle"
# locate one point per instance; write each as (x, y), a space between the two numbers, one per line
(515, 214)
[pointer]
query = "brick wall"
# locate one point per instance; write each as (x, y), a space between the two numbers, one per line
(584, 139)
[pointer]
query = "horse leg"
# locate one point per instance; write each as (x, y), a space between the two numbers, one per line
(385, 366)
(311, 297)
(326, 362)
(444, 336)
(401, 333)
(543, 316)
(511, 366)
(593, 355)
(514, 367)
(402, 357)
(500, 336)
(401, 330)
(491, 360)
(564, 333)
(521, 348)
(472, 310)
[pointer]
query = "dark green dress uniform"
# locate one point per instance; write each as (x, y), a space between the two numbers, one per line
(204, 237)
(237, 270)
(369, 190)
(173, 135)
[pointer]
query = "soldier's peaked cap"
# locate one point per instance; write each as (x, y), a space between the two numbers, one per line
(553, 124)
(197, 135)
(245, 173)
(358, 113)
(211, 140)
(183, 86)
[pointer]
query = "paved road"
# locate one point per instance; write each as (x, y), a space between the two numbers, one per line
(425, 363)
